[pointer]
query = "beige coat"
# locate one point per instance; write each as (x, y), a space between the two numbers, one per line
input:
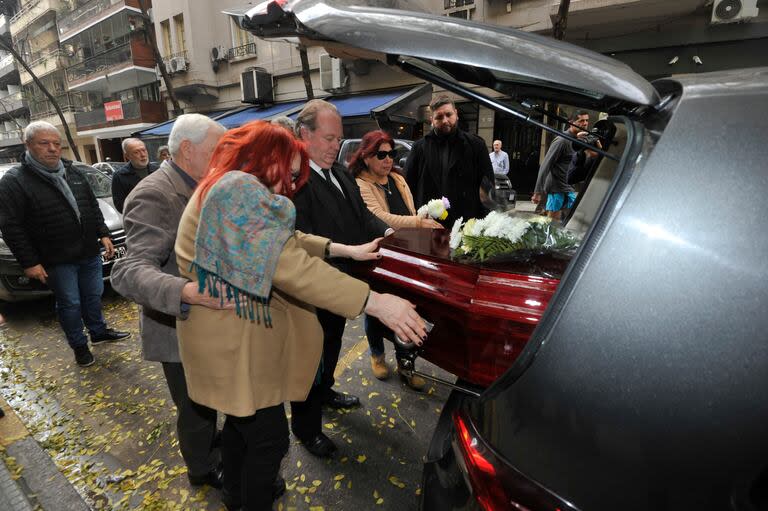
(238, 366)
(376, 200)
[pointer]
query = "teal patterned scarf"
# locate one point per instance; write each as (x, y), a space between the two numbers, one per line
(242, 231)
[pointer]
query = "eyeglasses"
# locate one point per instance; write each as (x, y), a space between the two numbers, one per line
(383, 154)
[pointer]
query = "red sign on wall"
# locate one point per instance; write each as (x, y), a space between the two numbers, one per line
(113, 110)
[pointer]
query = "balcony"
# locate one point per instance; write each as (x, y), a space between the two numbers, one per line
(43, 63)
(176, 62)
(11, 103)
(69, 102)
(9, 138)
(123, 67)
(7, 65)
(32, 11)
(134, 112)
(85, 14)
(5, 25)
(241, 52)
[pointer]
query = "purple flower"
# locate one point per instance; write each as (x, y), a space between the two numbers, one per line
(446, 203)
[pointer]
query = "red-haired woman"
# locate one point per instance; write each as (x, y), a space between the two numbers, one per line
(386, 194)
(237, 237)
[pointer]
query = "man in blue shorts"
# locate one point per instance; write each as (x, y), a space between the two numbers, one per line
(552, 182)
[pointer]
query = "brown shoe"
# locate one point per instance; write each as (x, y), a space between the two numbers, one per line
(379, 367)
(415, 381)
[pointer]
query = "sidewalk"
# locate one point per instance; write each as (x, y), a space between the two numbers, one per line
(29, 479)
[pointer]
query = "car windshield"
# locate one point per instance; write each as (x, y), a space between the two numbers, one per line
(100, 183)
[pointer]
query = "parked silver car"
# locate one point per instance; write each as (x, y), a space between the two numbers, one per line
(109, 167)
(15, 286)
(635, 377)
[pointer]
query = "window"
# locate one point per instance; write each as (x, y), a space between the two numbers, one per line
(239, 36)
(165, 33)
(149, 92)
(178, 25)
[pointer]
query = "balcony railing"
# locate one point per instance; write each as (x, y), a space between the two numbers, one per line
(5, 24)
(83, 12)
(70, 102)
(31, 11)
(7, 65)
(116, 57)
(45, 63)
(10, 135)
(11, 103)
(244, 50)
(450, 4)
(171, 56)
(147, 111)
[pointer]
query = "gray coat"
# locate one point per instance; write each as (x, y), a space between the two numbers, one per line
(149, 274)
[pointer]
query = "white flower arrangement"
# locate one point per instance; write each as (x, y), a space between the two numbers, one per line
(502, 233)
(436, 208)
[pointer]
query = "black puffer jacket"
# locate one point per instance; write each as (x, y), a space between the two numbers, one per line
(39, 225)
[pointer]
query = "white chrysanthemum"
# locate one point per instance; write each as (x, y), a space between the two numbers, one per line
(476, 229)
(422, 212)
(456, 234)
(436, 208)
(499, 225)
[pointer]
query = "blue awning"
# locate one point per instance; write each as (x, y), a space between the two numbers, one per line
(245, 115)
(362, 105)
(164, 128)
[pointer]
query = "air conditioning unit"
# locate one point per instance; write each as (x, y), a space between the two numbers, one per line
(256, 86)
(218, 53)
(332, 74)
(178, 64)
(733, 11)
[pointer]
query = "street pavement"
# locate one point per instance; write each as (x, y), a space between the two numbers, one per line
(108, 431)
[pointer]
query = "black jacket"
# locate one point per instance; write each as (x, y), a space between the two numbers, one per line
(469, 169)
(39, 225)
(320, 212)
(125, 180)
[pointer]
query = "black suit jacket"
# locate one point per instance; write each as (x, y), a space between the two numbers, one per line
(319, 211)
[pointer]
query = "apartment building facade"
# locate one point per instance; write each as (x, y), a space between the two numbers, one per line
(34, 35)
(14, 113)
(206, 54)
(111, 63)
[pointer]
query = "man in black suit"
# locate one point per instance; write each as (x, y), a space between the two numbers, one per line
(328, 205)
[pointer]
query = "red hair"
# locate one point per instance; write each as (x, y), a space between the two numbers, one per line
(259, 148)
(369, 144)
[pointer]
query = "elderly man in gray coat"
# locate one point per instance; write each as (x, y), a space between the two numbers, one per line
(149, 276)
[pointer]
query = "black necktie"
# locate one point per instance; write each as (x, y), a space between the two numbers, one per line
(327, 174)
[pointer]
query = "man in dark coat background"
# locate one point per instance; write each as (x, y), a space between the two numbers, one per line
(128, 176)
(452, 163)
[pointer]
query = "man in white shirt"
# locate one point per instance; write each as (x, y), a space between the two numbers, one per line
(499, 160)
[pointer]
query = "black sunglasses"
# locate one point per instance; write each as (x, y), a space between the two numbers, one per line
(383, 154)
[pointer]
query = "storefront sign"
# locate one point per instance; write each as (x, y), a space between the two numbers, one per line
(113, 110)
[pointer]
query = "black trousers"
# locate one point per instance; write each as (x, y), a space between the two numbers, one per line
(195, 424)
(306, 416)
(252, 449)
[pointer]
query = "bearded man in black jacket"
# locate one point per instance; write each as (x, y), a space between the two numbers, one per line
(51, 221)
(449, 162)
